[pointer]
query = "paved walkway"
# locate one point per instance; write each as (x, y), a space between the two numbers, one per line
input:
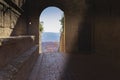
(56, 66)
(50, 47)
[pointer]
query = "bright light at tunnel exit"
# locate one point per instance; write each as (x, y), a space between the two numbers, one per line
(51, 17)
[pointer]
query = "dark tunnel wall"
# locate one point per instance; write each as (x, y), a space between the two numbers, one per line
(106, 31)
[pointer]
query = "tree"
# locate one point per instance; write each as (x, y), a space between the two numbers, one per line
(62, 23)
(41, 27)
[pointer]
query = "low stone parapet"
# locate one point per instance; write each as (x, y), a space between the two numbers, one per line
(20, 68)
(17, 57)
(12, 47)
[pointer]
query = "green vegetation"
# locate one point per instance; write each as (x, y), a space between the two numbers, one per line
(41, 27)
(62, 23)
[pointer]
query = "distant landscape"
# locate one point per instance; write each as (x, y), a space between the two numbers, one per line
(50, 37)
(50, 42)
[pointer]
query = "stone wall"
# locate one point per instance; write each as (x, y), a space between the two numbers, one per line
(10, 18)
(62, 42)
(18, 50)
(13, 47)
(73, 10)
(106, 29)
(83, 21)
(90, 26)
(77, 32)
(19, 55)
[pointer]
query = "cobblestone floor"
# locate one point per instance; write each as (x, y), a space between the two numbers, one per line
(56, 66)
(48, 47)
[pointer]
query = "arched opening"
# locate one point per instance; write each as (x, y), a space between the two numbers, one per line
(51, 27)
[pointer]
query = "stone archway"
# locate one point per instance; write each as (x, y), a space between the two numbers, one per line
(90, 25)
(74, 19)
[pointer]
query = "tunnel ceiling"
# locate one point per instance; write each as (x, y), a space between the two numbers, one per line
(37, 6)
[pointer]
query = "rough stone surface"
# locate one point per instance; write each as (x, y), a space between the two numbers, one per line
(11, 20)
(13, 47)
(62, 42)
(56, 66)
(16, 66)
(91, 26)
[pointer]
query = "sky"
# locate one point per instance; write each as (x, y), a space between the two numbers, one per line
(51, 17)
